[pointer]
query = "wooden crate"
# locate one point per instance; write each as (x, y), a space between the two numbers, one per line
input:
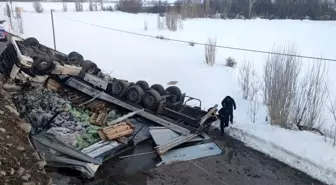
(117, 131)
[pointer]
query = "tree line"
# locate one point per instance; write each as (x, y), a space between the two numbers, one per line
(268, 9)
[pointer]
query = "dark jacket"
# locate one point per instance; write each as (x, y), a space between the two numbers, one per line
(229, 103)
(223, 113)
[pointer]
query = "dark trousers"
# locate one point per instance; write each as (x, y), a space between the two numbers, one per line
(231, 116)
(224, 122)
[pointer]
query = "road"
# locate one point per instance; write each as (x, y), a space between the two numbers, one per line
(236, 166)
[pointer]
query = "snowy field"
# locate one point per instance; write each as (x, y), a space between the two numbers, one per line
(136, 58)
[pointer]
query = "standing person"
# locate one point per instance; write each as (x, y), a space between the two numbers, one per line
(224, 119)
(229, 104)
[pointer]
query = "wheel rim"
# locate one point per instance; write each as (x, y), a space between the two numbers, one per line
(43, 65)
(118, 89)
(133, 95)
(91, 70)
(150, 101)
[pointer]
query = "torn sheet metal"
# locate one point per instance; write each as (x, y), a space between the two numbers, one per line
(161, 149)
(50, 141)
(97, 150)
(61, 156)
(162, 135)
(190, 153)
(141, 135)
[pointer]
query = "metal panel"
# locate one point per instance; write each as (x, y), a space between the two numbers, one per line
(190, 153)
(94, 80)
(164, 135)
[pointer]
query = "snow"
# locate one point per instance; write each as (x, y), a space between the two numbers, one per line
(133, 58)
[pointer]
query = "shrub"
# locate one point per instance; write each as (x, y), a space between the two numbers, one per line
(281, 77)
(145, 25)
(65, 7)
(38, 6)
(244, 78)
(231, 62)
(210, 51)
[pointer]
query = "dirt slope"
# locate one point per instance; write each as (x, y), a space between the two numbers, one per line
(19, 163)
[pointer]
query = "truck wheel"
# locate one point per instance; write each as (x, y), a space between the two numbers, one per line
(75, 58)
(31, 41)
(175, 91)
(143, 84)
(42, 66)
(134, 94)
(75, 54)
(90, 67)
(119, 88)
(151, 99)
(159, 88)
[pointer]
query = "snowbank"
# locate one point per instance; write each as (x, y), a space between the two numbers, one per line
(304, 151)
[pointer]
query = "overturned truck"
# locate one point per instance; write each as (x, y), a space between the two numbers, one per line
(82, 82)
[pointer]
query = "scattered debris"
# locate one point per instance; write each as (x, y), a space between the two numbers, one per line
(11, 87)
(2, 130)
(21, 148)
(118, 130)
(25, 127)
(12, 110)
(20, 171)
(26, 177)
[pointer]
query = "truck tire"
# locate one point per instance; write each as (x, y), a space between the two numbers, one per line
(159, 88)
(151, 99)
(75, 58)
(175, 91)
(143, 84)
(135, 94)
(75, 54)
(90, 67)
(42, 66)
(31, 41)
(119, 88)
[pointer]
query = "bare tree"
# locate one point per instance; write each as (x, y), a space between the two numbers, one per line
(145, 25)
(244, 78)
(281, 76)
(65, 7)
(172, 19)
(90, 5)
(251, 3)
(38, 6)
(254, 91)
(310, 98)
(160, 22)
(332, 129)
(210, 51)
(78, 6)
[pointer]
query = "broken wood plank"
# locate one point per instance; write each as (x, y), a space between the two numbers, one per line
(125, 117)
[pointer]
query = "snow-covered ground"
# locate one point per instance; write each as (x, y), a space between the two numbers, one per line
(135, 58)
